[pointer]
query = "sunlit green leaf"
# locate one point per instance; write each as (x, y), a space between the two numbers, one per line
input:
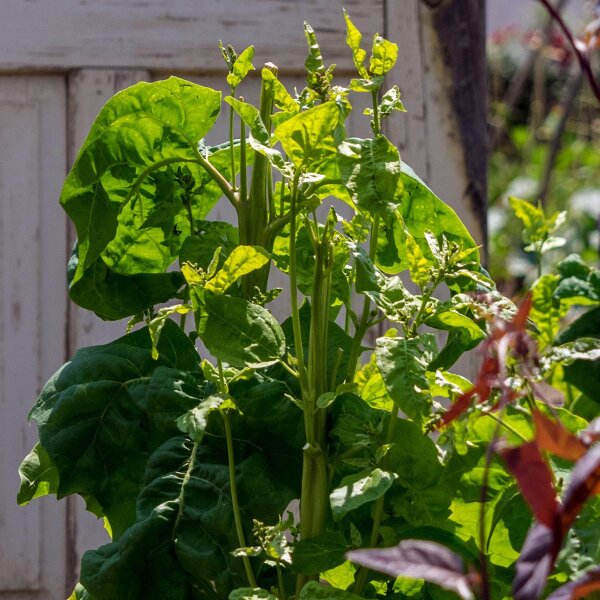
(403, 363)
(353, 39)
(383, 56)
(241, 67)
(251, 116)
(371, 171)
(241, 261)
(350, 496)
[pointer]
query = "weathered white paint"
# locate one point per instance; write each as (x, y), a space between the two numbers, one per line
(32, 318)
(58, 34)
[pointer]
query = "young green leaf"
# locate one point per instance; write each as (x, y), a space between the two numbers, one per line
(308, 138)
(353, 39)
(195, 421)
(419, 266)
(390, 102)
(251, 116)
(241, 67)
(281, 97)
(242, 260)
(383, 56)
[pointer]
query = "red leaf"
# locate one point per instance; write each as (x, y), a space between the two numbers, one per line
(519, 321)
(553, 437)
(459, 406)
(574, 590)
(535, 562)
(535, 481)
(419, 560)
(585, 482)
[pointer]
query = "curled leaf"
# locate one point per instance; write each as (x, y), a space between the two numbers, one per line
(420, 560)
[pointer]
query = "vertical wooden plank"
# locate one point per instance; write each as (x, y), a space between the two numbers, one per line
(32, 317)
(88, 90)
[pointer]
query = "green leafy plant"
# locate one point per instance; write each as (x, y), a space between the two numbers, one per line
(246, 466)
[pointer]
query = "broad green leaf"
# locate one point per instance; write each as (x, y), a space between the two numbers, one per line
(465, 334)
(419, 495)
(200, 249)
(38, 475)
(251, 594)
(242, 260)
(371, 386)
(309, 138)
(108, 408)
(354, 421)
(241, 67)
(239, 332)
(383, 56)
(353, 39)
(251, 117)
(403, 364)
(420, 211)
(314, 591)
(137, 131)
(319, 553)
(113, 296)
(371, 171)
(195, 421)
(183, 536)
(356, 493)
(366, 85)
(281, 97)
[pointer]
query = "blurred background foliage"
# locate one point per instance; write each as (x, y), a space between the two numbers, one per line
(544, 134)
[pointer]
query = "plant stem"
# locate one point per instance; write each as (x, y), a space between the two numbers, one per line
(363, 573)
(294, 291)
(364, 318)
(282, 594)
(234, 499)
(232, 149)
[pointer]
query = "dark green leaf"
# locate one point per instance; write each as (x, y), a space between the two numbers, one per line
(313, 591)
(108, 408)
(251, 594)
(239, 332)
(199, 249)
(319, 553)
(113, 296)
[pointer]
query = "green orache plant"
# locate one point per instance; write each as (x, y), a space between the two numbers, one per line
(192, 457)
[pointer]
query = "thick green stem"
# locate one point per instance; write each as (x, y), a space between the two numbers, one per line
(294, 291)
(231, 146)
(234, 500)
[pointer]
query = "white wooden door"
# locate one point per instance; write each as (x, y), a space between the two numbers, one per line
(59, 61)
